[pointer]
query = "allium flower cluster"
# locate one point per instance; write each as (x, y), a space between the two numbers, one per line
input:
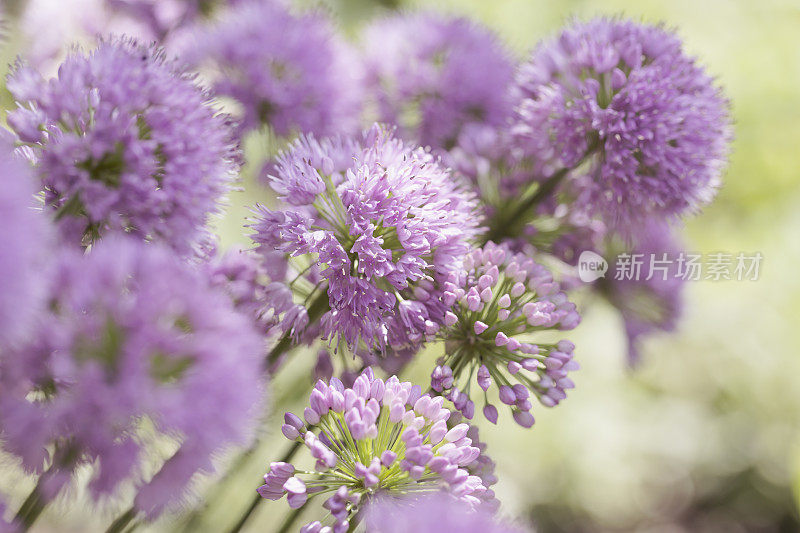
(383, 224)
(434, 74)
(161, 17)
(123, 140)
(623, 96)
(24, 240)
(432, 514)
(133, 337)
(288, 71)
(647, 305)
(504, 296)
(376, 438)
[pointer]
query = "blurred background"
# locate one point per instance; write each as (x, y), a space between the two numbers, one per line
(705, 434)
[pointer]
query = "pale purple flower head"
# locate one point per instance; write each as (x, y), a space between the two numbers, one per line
(433, 74)
(25, 241)
(651, 124)
(133, 337)
(286, 70)
(384, 225)
(162, 17)
(375, 438)
(123, 140)
(503, 296)
(433, 513)
(650, 305)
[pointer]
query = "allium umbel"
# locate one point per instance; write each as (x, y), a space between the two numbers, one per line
(649, 123)
(124, 140)
(435, 513)
(505, 296)
(433, 75)
(378, 437)
(25, 241)
(289, 71)
(383, 224)
(653, 302)
(134, 344)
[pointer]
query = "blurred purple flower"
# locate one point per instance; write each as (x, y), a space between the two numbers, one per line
(123, 140)
(25, 240)
(132, 335)
(289, 71)
(433, 74)
(432, 513)
(648, 305)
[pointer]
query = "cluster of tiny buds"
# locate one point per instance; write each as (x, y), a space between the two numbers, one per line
(504, 295)
(376, 437)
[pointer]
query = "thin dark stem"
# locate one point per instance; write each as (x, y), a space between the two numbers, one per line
(33, 506)
(318, 306)
(503, 226)
(291, 518)
(500, 229)
(247, 514)
(121, 523)
(257, 499)
(196, 518)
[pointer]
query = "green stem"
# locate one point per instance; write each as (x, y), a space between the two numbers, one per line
(121, 523)
(33, 506)
(291, 518)
(247, 514)
(318, 307)
(257, 499)
(502, 226)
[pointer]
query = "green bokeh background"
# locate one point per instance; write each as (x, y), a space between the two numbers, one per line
(705, 435)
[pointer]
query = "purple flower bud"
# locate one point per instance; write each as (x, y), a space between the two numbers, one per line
(490, 412)
(290, 432)
(507, 395)
(523, 418)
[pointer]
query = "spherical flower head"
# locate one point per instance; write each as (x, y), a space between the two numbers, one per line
(433, 513)
(24, 240)
(503, 296)
(134, 337)
(647, 305)
(384, 225)
(162, 17)
(123, 140)
(286, 70)
(433, 74)
(376, 438)
(650, 125)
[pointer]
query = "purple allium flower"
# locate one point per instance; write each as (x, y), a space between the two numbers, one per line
(433, 74)
(122, 140)
(623, 97)
(505, 295)
(289, 71)
(242, 274)
(25, 241)
(133, 335)
(376, 438)
(257, 286)
(162, 17)
(383, 224)
(434, 513)
(648, 305)
(49, 28)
